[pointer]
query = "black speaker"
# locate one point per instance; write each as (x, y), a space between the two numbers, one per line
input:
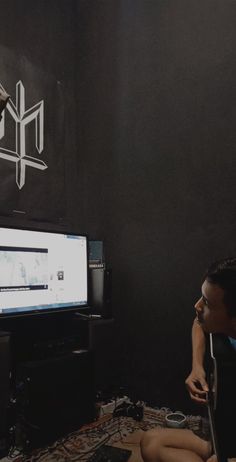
(55, 396)
(100, 288)
(4, 380)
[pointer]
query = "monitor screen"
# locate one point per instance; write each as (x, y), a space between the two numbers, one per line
(42, 271)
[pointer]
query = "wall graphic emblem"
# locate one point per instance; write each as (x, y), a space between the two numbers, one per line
(23, 118)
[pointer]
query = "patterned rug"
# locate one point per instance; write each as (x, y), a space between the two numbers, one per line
(118, 431)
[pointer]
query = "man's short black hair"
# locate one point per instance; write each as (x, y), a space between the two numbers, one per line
(223, 273)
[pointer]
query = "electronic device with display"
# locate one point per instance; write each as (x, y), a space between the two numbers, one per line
(42, 271)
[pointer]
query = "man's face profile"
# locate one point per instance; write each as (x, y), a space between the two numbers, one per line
(211, 310)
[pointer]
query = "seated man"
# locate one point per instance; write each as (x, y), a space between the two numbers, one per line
(216, 313)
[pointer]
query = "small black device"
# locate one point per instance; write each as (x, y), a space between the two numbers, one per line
(108, 453)
(100, 288)
(129, 410)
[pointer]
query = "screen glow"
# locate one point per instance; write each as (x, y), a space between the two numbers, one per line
(41, 270)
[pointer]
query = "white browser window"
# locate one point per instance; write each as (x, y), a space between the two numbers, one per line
(41, 270)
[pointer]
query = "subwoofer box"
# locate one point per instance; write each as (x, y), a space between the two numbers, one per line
(56, 396)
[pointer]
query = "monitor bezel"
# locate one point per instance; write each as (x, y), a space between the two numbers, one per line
(84, 308)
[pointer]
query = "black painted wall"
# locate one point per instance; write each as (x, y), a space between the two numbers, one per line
(157, 124)
(147, 158)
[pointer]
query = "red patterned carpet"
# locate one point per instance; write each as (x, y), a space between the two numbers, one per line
(124, 432)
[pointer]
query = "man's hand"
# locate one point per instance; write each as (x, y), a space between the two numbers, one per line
(212, 459)
(197, 386)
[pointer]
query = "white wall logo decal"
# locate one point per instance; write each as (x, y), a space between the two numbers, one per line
(22, 118)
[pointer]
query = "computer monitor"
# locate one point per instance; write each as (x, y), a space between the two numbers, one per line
(42, 271)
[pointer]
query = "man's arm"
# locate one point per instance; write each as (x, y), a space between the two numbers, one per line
(196, 381)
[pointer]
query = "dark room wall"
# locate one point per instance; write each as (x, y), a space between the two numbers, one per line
(140, 147)
(156, 92)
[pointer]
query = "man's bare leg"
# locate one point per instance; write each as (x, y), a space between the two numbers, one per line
(174, 445)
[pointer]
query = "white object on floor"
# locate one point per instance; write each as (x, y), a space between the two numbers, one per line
(110, 407)
(175, 420)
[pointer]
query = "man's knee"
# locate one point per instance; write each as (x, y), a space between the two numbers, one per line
(150, 444)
